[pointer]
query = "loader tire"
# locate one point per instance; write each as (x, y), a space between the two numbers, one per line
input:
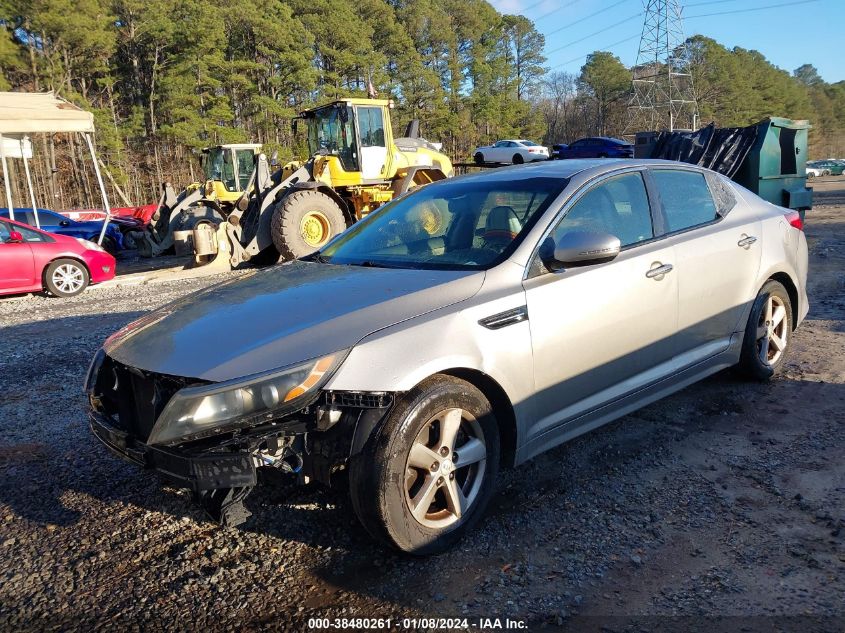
(305, 221)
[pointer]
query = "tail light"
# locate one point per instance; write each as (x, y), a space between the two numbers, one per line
(794, 219)
(534, 150)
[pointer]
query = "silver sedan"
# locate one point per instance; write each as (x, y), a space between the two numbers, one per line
(470, 324)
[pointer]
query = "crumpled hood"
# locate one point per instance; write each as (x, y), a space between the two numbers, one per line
(280, 316)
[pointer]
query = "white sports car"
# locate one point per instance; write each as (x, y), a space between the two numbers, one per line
(510, 151)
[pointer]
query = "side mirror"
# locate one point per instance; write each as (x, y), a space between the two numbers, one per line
(582, 248)
(64, 223)
(15, 237)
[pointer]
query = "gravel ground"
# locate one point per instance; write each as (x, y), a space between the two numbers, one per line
(719, 508)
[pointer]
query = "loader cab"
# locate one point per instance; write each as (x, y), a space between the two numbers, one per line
(354, 135)
(228, 168)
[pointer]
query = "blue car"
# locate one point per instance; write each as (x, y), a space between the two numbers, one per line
(53, 222)
(594, 147)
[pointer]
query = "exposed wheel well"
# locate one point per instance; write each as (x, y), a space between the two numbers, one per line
(501, 406)
(786, 281)
(71, 258)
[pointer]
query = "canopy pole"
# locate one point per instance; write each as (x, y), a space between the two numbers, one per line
(6, 184)
(106, 206)
(24, 139)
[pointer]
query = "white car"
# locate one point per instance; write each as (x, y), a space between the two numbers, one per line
(815, 172)
(510, 151)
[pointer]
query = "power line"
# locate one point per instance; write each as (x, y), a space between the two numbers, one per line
(602, 48)
(698, 4)
(586, 17)
(768, 6)
(599, 32)
(548, 13)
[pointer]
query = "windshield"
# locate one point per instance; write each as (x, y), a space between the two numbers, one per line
(331, 131)
(457, 225)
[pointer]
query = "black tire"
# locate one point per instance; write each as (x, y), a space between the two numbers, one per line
(285, 227)
(109, 244)
(478, 158)
(517, 159)
(751, 364)
(377, 476)
(810, 175)
(67, 264)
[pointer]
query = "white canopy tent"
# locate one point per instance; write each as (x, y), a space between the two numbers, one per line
(24, 113)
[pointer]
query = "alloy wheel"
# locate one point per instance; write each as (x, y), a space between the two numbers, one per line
(772, 330)
(68, 278)
(445, 468)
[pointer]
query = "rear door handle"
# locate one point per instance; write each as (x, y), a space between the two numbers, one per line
(745, 242)
(659, 271)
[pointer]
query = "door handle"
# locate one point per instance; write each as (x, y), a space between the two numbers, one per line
(746, 242)
(659, 271)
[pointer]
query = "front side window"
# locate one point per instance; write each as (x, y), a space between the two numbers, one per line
(371, 127)
(686, 198)
(618, 206)
(31, 236)
(5, 232)
(463, 225)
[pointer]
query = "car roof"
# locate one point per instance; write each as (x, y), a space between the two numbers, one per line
(22, 224)
(591, 167)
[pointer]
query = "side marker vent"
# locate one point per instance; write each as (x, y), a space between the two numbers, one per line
(503, 319)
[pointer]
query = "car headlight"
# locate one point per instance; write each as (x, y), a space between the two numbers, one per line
(195, 411)
(92, 246)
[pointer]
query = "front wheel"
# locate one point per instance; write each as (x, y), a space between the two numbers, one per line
(478, 158)
(305, 221)
(66, 278)
(517, 159)
(427, 473)
(768, 333)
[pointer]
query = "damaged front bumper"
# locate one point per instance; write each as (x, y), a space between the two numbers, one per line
(220, 481)
(201, 472)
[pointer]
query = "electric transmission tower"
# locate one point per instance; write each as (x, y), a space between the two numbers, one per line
(663, 97)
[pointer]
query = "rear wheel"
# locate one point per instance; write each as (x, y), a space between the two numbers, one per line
(478, 158)
(426, 474)
(304, 221)
(517, 159)
(768, 333)
(66, 278)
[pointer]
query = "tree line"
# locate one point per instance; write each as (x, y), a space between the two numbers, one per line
(165, 78)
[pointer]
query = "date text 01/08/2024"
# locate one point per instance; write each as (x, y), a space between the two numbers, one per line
(412, 624)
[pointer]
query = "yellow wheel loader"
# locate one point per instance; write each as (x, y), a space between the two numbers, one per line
(227, 170)
(356, 165)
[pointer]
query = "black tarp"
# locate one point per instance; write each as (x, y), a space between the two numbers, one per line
(721, 149)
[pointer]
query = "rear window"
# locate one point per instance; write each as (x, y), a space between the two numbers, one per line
(686, 198)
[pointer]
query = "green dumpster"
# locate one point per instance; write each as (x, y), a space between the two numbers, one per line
(775, 168)
(769, 158)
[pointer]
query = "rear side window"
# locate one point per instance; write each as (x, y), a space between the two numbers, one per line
(686, 198)
(618, 206)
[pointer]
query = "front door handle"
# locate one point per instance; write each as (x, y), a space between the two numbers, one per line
(746, 242)
(659, 271)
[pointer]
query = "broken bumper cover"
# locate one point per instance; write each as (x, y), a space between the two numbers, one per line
(199, 473)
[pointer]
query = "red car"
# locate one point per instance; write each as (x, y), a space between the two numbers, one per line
(32, 260)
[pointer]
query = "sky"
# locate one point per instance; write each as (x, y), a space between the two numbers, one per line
(788, 33)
